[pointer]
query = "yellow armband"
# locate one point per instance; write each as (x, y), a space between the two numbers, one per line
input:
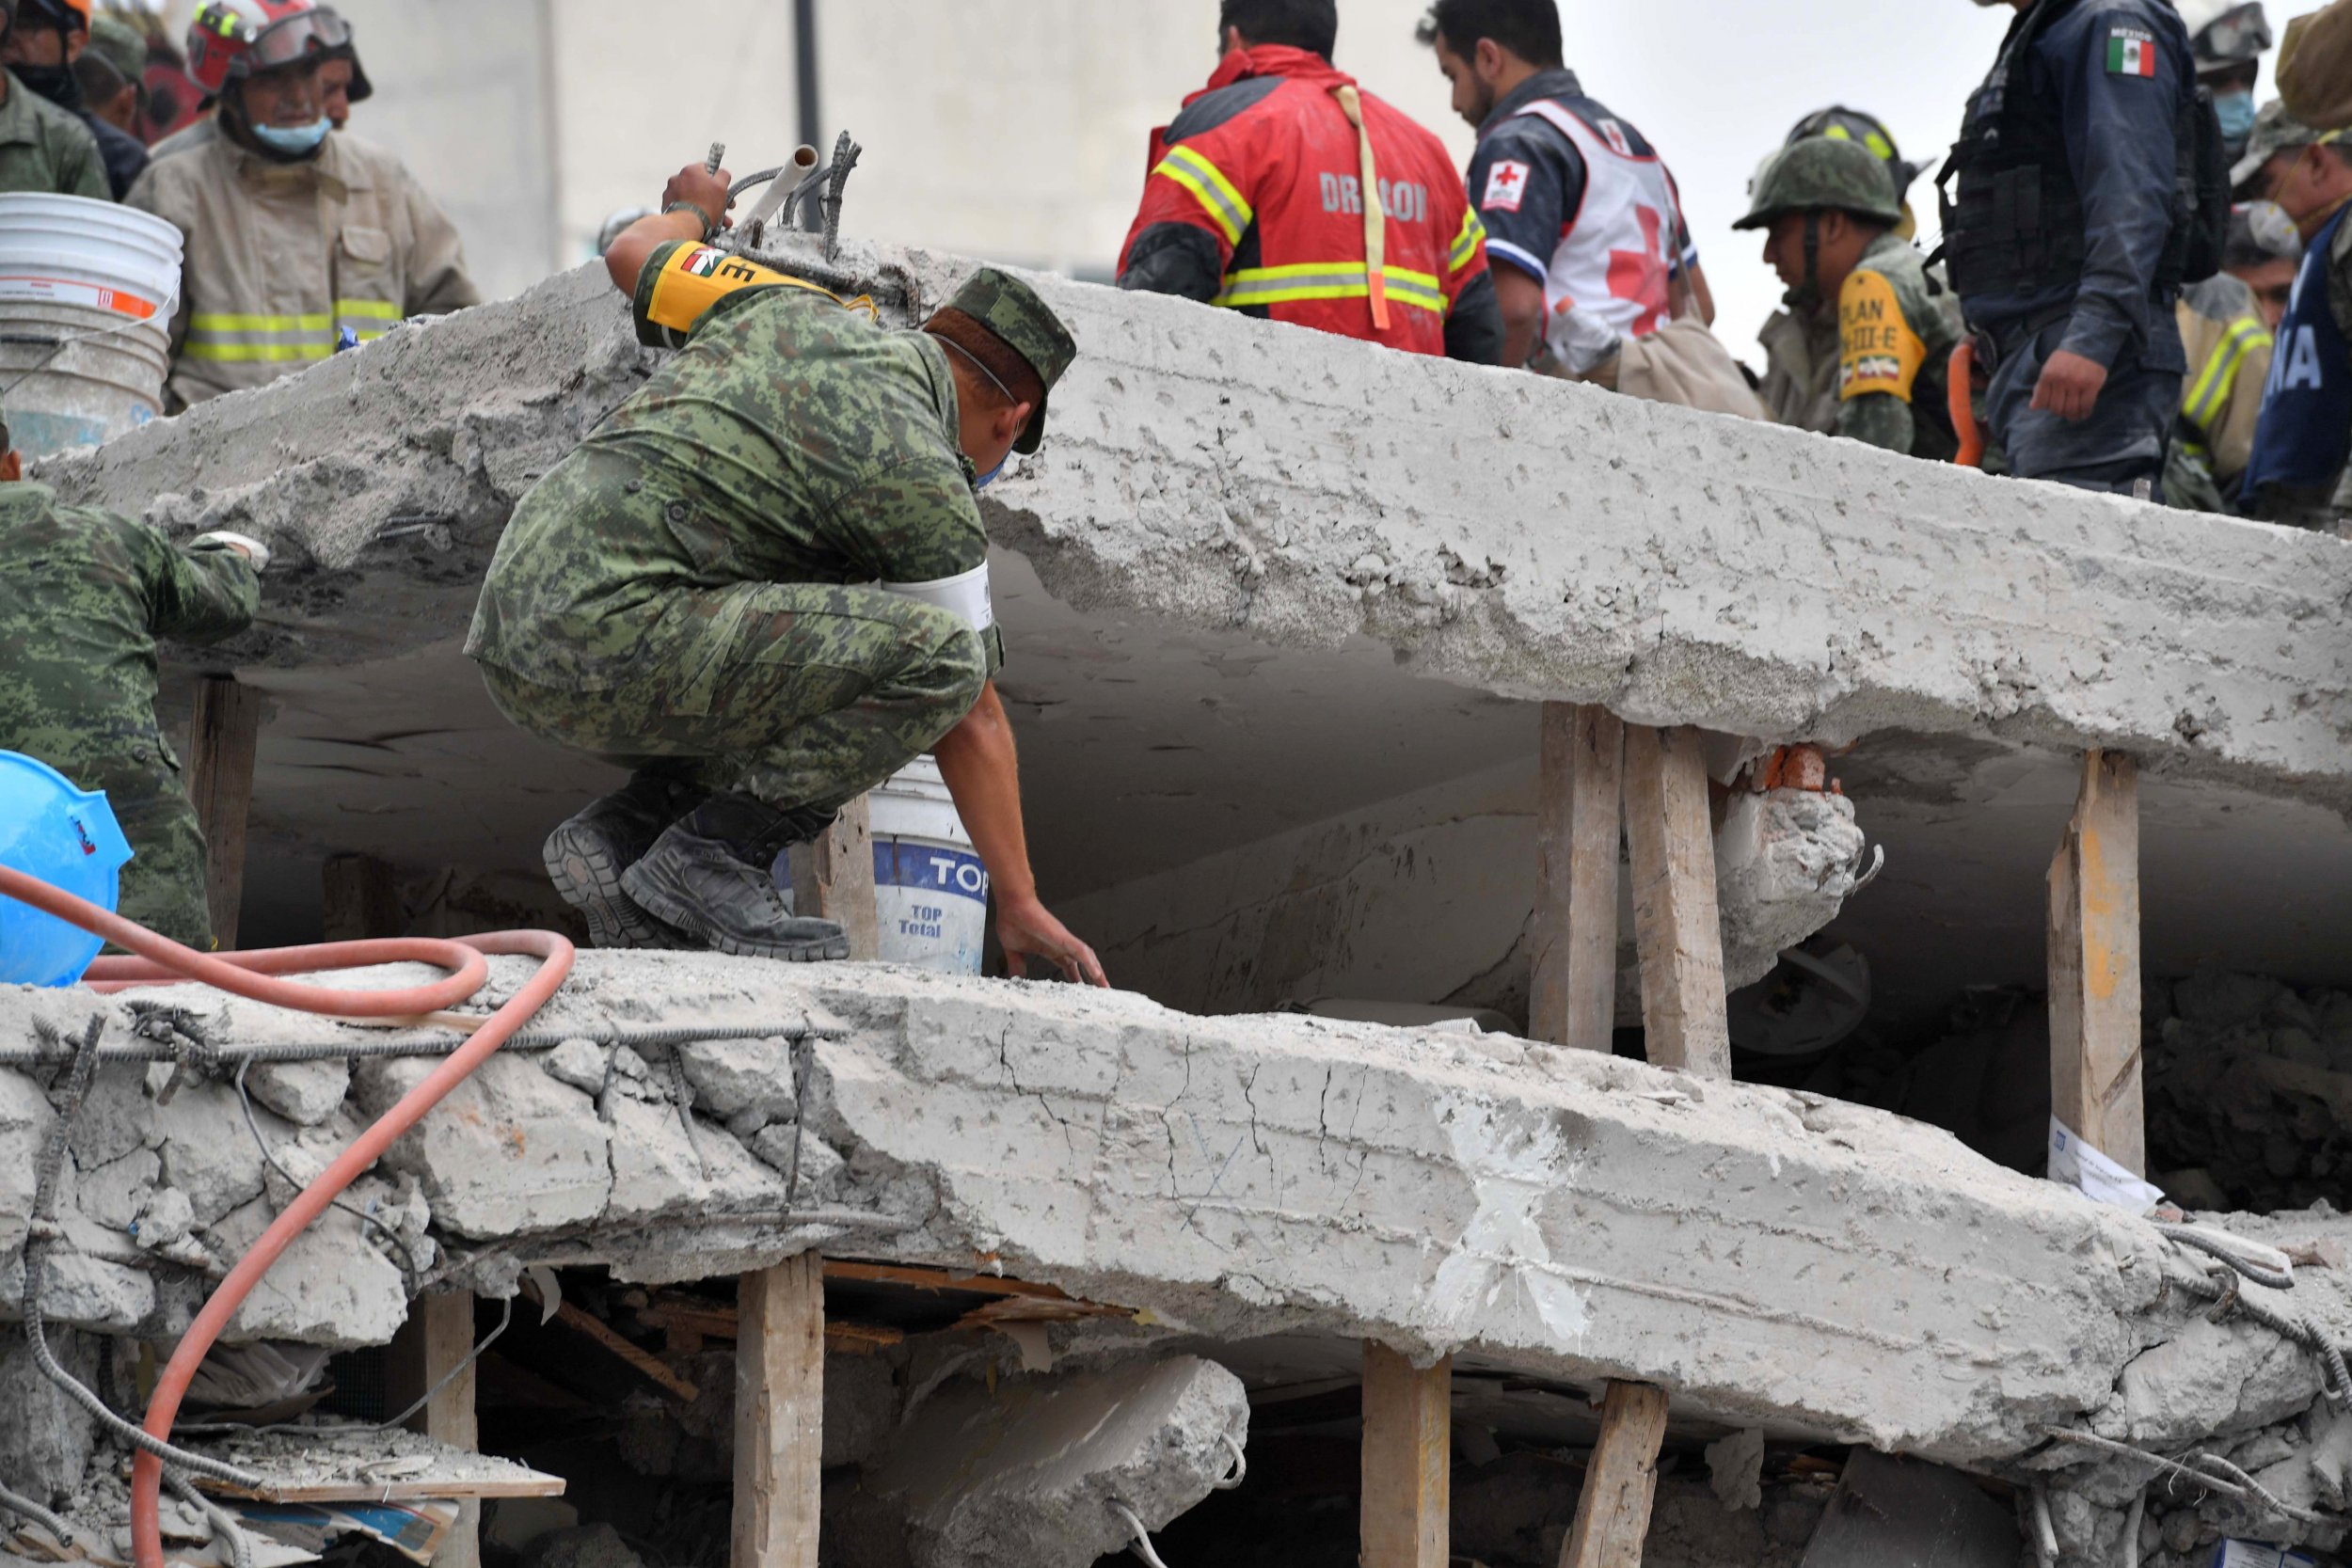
(1878, 351)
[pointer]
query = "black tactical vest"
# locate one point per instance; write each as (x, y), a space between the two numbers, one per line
(2018, 226)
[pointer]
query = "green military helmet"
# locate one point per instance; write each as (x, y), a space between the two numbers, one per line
(1824, 174)
(121, 45)
(1012, 311)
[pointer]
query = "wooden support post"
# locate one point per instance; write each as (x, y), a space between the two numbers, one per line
(1676, 922)
(1574, 999)
(1408, 1461)
(2094, 965)
(834, 880)
(362, 899)
(225, 731)
(1621, 1483)
(435, 1340)
(779, 1415)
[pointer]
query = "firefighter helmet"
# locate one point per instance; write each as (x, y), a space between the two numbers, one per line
(233, 40)
(2227, 32)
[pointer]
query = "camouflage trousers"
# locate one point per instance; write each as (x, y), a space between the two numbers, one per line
(164, 886)
(811, 695)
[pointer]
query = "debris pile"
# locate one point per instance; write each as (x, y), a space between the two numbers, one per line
(2249, 1095)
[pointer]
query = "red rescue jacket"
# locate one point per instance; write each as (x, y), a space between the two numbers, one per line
(1266, 163)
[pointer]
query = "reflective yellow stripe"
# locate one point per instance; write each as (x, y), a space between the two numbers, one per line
(1210, 187)
(1466, 244)
(383, 310)
(2212, 389)
(1260, 286)
(261, 323)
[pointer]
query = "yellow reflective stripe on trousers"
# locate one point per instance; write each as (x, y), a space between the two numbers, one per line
(1210, 187)
(1466, 245)
(1261, 286)
(2209, 392)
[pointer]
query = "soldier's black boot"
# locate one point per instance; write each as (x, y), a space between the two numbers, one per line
(708, 874)
(586, 856)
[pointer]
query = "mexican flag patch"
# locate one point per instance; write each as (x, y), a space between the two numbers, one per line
(2130, 53)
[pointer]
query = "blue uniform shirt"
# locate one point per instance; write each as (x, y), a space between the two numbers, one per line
(2120, 72)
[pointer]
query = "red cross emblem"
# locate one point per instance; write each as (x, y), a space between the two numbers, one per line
(1507, 187)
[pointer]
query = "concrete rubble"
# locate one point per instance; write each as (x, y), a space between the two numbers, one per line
(1216, 473)
(1030, 1474)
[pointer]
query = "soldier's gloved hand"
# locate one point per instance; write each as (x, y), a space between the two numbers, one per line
(245, 544)
(703, 190)
(2069, 385)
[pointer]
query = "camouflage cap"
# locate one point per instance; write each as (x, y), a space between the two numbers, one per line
(121, 45)
(2275, 131)
(1823, 173)
(1012, 310)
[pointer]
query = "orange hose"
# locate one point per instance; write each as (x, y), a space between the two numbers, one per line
(245, 974)
(1959, 390)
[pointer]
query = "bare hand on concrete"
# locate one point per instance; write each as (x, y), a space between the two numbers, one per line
(703, 189)
(2069, 385)
(1026, 929)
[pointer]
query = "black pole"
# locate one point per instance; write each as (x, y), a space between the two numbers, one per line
(804, 51)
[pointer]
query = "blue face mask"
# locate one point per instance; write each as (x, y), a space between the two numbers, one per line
(2237, 113)
(294, 141)
(989, 478)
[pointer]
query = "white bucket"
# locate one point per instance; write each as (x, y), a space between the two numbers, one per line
(929, 888)
(86, 293)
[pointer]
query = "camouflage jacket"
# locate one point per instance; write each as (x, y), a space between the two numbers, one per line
(89, 594)
(1895, 358)
(1801, 366)
(792, 439)
(46, 150)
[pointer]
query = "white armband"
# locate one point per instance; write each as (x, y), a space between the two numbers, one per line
(254, 549)
(966, 598)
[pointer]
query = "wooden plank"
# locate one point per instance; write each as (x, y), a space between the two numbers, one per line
(1676, 923)
(2095, 1067)
(643, 1362)
(780, 1415)
(1621, 1483)
(223, 740)
(530, 1484)
(1407, 1518)
(362, 899)
(917, 1277)
(435, 1342)
(1574, 1000)
(844, 876)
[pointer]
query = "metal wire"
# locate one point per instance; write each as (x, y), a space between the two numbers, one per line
(655, 1037)
(1142, 1537)
(2131, 1530)
(409, 1270)
(2336, 1377)
(25, 1508)
(1241, 1464)
(42, 1235)
(2220, 1247)
(364, 1429)
(224, 1526)
(2210, 1471)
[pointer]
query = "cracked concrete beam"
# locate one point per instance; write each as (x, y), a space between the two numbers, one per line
(1523, 536)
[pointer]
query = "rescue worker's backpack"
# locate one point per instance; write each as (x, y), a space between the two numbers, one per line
(2201, 229)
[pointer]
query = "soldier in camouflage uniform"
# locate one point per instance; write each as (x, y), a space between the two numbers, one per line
(89, 594)
(762, 585)
(1830, 208)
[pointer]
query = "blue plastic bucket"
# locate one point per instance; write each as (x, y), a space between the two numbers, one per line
(68, 838)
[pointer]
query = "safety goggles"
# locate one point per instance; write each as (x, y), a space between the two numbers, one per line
(2244, 34)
